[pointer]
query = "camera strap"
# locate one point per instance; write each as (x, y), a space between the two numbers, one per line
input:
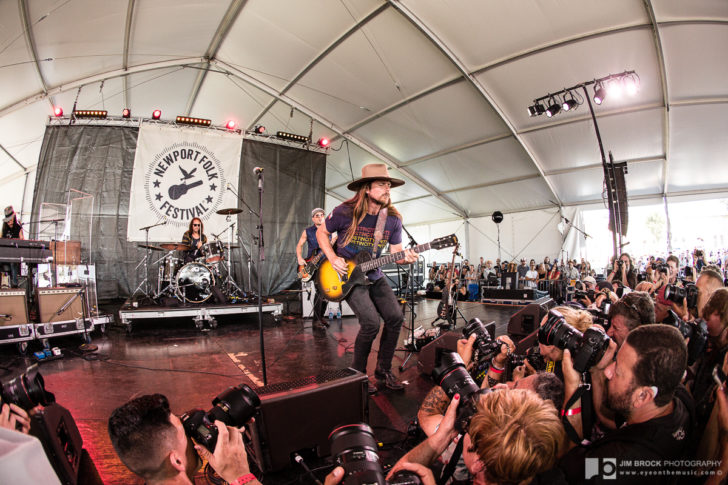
(583, 392)
(454, 459)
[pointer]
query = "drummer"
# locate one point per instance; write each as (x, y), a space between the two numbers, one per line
(194, 238)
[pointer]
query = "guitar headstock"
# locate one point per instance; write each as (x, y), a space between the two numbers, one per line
(444, 242)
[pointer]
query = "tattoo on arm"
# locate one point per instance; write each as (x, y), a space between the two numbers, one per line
(435, 402)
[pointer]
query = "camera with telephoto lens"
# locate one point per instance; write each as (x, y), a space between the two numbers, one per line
(676, 294)
(582, 294)
(450, 374)
(586, 348)
(354, 448)
(620, 263)
(532, 356)
(484, 348)
(696, 331)
(27, 390)
(234, 407)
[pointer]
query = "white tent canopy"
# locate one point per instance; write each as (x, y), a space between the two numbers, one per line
(437, 90)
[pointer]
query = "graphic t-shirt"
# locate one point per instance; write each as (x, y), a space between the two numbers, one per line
(339, 221)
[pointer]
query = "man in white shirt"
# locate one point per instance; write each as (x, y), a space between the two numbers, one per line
(531, 275)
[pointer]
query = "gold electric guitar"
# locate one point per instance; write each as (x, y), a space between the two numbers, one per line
(335, 287)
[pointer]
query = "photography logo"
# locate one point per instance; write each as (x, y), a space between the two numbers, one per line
(606, 468)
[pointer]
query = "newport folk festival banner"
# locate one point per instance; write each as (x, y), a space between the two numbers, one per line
(180, 173)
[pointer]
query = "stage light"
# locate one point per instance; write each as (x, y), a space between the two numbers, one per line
(631, 85)
(570, 103)
(259, 129)
(86, 113)
(293, 137)
(231, 124)
(57, 111)
(553, 108)
(126, 113)
(187, 120)
(614, 88)
(599, 93)
(536, 110)
(156, 114)
(324, 142)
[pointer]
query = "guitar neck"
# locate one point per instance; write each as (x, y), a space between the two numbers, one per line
(390, 258)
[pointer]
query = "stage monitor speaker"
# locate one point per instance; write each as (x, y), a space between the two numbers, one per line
(51, 300)
(509, 281)
(448, 341)
(57, 431)
(13, 310)
(297, 416)
(528, 319)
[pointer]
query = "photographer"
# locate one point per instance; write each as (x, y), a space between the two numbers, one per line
(643, 388)
(673, 265)
(152, 443)
(632, 310)
(15, 418)
(623, 271)
(710, 279)
(513, 436)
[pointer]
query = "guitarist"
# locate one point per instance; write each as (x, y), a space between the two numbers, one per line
(309, 236)
(355, 222)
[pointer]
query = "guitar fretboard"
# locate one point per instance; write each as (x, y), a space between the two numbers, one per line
(367, 266)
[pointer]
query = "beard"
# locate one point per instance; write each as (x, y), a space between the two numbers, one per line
(620, 403)
(383, 200)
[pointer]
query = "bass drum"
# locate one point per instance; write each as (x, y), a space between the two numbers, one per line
(194, 283)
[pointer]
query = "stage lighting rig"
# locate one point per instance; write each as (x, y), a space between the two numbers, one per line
(259, 129)
(156, 114)
(126, 113)
(187, 120)
(612, 85)
(293, 137)
(90, 113)
(231, 124)
(57, 111)
(324, 142)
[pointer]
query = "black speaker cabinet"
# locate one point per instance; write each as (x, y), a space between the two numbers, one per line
(13, 310)
(426, 359)
(57, 431)
(297, 416)
(51, 300)
(528, 319)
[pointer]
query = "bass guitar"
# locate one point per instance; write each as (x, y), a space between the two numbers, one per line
(336, 287)
(306, 271)
(445, 309)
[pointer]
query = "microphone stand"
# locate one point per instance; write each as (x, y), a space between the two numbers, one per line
(251, 212)
(261, 259)
(411, 303)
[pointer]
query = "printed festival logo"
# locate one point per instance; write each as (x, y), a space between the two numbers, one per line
(183, 181)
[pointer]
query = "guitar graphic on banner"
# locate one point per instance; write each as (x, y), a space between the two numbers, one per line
(177, 191)
(336, 287)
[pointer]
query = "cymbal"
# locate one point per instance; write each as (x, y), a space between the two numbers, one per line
(149, 246)
(230, 211)
(175, 247)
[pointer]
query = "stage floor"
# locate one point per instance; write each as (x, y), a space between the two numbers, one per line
(172, 357)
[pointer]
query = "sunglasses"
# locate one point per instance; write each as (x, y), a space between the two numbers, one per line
(196, 225)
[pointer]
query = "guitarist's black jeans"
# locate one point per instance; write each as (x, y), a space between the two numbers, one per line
(369, 302)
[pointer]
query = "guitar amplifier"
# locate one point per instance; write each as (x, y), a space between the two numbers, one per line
(13, 310)
(51, 300)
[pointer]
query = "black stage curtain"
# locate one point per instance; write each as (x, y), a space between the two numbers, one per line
(99, 160)
(293, 185)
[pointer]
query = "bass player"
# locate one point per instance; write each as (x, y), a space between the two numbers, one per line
(308, 236)
(366, 220)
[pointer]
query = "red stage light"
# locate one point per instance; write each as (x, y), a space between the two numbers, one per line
(324, 142)
(259, 129)
(231, 124)
(126, 113)
(58, 111)
(156, 114)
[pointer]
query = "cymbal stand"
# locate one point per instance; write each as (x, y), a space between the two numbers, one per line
(229, 282)
(143, 286)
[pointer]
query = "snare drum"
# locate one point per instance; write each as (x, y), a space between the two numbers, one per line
(213, 251)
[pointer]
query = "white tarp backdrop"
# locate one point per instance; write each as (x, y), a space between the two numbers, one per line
(181, 173)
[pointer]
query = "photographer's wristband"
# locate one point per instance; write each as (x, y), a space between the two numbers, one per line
(247, 478)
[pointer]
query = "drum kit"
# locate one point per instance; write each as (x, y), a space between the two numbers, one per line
(193, 281)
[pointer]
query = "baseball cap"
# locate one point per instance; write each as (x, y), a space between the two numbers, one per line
(317, 210)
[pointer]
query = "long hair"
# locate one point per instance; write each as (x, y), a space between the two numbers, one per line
(202, 226)
(358, 207)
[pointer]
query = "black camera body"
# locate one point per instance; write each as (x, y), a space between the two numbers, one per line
(450, 374)
(689, 293)
(355, 449)
(620, 263)
(532, 356)
(234, 407)
(26, 390)
(484, 348)
(586, 348)
(696, 331)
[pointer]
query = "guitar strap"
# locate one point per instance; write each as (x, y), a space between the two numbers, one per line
(379, 230)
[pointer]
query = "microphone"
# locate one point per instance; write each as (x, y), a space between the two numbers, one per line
(258, 170)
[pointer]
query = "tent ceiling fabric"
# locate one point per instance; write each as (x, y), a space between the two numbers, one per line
(438, 90)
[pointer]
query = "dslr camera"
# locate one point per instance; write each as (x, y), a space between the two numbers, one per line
(696, 331)
(354, 448)
(532, 356)
(689, 293)
(27, 390)
(586, 348)
(234, 407)
(484, 348)
(450, 374)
